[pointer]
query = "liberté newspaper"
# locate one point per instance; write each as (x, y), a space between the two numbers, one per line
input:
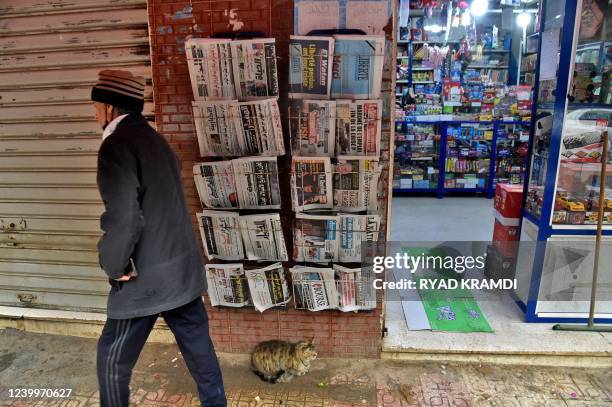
(312, 125)
(268, 287)
(358, 128)
(227, 285)
(315, 238)
(221, 69)
(314, 288)
(355, 185)
(355, 288)
(232, 128)
(263, 238)
(311, 183)
(310, 67)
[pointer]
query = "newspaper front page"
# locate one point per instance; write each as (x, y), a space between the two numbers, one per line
(313, 128)
(355, 288)
(358, 129)
(315, 238)
(257, 182)
(314, 288)
(218, 128)
(354, 230)
(220, 232)
(310, 67)
(210, 68)
(263, 237)
(268, 287)
(227, 285)
(355, 183)
(358, 65)
(311, 181)
(261, 129)
(254, 65)
(216, 184)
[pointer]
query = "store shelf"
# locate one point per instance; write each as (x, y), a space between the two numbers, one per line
(421, 82)
(422, 68)
(401, 81)
(403, 57)
(409, 190)
(495, 51)
(501, 67)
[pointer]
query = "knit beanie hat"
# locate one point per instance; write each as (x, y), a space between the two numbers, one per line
(120, 89)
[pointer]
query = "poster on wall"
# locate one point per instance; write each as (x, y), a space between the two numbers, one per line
(592, 18)
(370, 16)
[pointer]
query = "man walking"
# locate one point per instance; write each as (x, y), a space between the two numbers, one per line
(149, 249)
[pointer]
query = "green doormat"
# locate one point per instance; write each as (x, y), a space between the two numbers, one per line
(449, 310)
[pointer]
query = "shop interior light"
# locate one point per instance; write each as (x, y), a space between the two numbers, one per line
(479, 7)
(435, 28)
(523, 19)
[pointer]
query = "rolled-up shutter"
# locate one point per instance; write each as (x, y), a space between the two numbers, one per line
(50, 53)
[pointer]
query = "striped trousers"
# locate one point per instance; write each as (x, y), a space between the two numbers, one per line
(122, 340)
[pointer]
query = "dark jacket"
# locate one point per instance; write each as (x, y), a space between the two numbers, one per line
(147, 220)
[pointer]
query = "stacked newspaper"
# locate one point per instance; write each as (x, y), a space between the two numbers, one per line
(358, 128)
(232, 128)
(221, 69)
(315, 238)
(224, 234)
(311, 183)
(254, 63)
(227, 285)
(354, 231)
(312, 124)
(263, 237)
(314, 288)
(355, 288)
(210, 68)
(216, 184)
(358, 66)
(310, 67)
(268, 287)
(355, 185)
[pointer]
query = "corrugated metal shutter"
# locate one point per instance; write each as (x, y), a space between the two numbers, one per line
(50, 53)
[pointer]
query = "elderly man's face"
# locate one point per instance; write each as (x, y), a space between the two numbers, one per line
(101, 115)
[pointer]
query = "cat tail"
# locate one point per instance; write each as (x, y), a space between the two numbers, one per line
(267, 379)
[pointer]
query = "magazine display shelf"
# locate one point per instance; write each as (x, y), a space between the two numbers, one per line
(444, 146)
(562, 168)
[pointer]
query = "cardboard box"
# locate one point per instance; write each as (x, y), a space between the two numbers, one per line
(508, 200)
(505, 239)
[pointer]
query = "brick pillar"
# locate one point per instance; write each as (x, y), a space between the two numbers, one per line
(170, 22)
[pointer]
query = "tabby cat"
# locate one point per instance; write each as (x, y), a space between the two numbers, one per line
(278, 361)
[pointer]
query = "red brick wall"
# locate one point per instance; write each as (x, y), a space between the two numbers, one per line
(239, 330)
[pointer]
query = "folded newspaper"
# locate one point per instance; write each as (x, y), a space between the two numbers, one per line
(220, 232)
(263, 237)
(314, 288)
(354, 231)
(358, 128)
(355, 288)
(216, 184)
(227, 285)
(210, 68)
(232, 128)
(358, 66)
(254, 64)
(312, 125)
(355, 185)
(315, 238)
(311, 183)
(310, 67)
(268, 287)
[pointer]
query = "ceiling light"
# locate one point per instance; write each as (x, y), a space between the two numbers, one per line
(479, 7)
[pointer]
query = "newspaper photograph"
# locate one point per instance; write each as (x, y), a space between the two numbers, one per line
(254, 65)
(358, 128)
(314, 288)
(210, 68)
(315, 238)
(313, 128)
(311, 181)
(357, 67)
(216, 184)
(310, 67)
(227, 285)
(257, 182)
(355, 288)
(355, 183)
(260, 128)
(354, 230)
(221, 235)
(263, 237)
(268, 287)
(218, 128)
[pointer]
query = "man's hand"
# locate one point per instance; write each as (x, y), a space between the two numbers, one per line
(127, 276)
